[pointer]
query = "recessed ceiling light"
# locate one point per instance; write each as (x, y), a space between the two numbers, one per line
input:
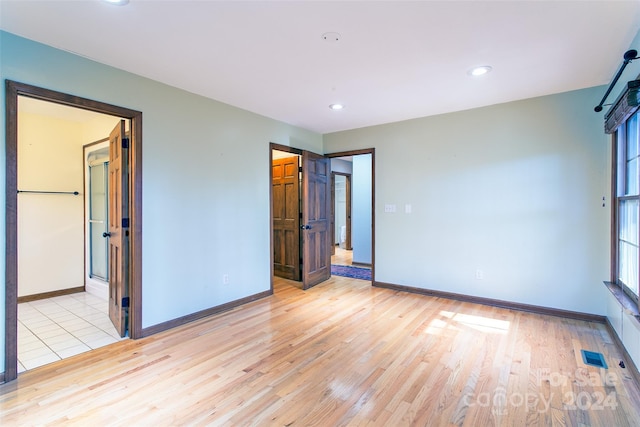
(479, 71)
(117, 2)
(336, 106)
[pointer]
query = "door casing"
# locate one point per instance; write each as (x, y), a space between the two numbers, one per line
(13, 90)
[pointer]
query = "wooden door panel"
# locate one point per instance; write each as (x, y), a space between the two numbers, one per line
(316, 214)
(291, 204)
(118, 229)
(286, 217)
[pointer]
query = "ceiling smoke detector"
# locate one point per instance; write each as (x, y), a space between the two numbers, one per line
(331, 37)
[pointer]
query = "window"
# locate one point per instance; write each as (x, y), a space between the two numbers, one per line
(627, 206)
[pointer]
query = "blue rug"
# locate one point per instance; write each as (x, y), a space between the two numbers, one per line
(353, 272)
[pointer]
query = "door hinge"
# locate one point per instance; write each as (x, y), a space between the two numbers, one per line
(299, 168)
(125, 142)
(125, 222)
(125, 302)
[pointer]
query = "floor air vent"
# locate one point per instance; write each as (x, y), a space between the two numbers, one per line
(593, 359)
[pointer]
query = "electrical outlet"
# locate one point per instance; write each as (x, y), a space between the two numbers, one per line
(389, 208)
(225, 279)
(479, 274)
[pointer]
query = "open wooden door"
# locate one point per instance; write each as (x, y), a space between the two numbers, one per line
(118, 228)
(286, 217)
(316, 219)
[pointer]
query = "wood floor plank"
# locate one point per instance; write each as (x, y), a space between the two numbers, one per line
(340, 354)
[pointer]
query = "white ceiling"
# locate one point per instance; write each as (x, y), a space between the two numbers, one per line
(395, 60)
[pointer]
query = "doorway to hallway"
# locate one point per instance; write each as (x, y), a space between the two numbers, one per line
(322, 239)
(353, 203)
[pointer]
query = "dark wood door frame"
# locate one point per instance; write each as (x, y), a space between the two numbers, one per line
(371, 151)
(348, 209)
(13, 91)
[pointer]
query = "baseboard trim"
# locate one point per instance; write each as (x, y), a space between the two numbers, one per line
(537, 309)
(2, 381)
(45, 295)
(628, 361)
(361, 264)
(160, 327)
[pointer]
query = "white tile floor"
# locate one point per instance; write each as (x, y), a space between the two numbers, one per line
(53, 329)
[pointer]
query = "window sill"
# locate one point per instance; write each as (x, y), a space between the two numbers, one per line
(628, 305)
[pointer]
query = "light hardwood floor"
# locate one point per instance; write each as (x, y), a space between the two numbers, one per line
(342, 257)
(341, 353)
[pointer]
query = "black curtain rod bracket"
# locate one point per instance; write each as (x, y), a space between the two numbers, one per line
(75, 193)
(629, 56)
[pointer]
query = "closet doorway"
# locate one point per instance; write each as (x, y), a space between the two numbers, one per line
(45, 209)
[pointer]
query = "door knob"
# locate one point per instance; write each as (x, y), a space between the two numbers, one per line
(305, 227)
(105, 234)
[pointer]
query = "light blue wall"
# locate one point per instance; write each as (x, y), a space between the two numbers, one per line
(339, 165)
(514, 190)
(205, 180)
(361, 210)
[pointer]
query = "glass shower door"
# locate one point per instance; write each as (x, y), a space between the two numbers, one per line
(98, 221)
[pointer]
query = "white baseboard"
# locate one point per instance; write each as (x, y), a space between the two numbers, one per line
(97, 288)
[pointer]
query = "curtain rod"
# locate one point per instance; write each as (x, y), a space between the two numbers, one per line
(75, 193)
(629, 56)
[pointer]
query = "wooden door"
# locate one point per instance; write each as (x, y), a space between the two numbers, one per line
(286, 218)
(118, 228)
(316, 219)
